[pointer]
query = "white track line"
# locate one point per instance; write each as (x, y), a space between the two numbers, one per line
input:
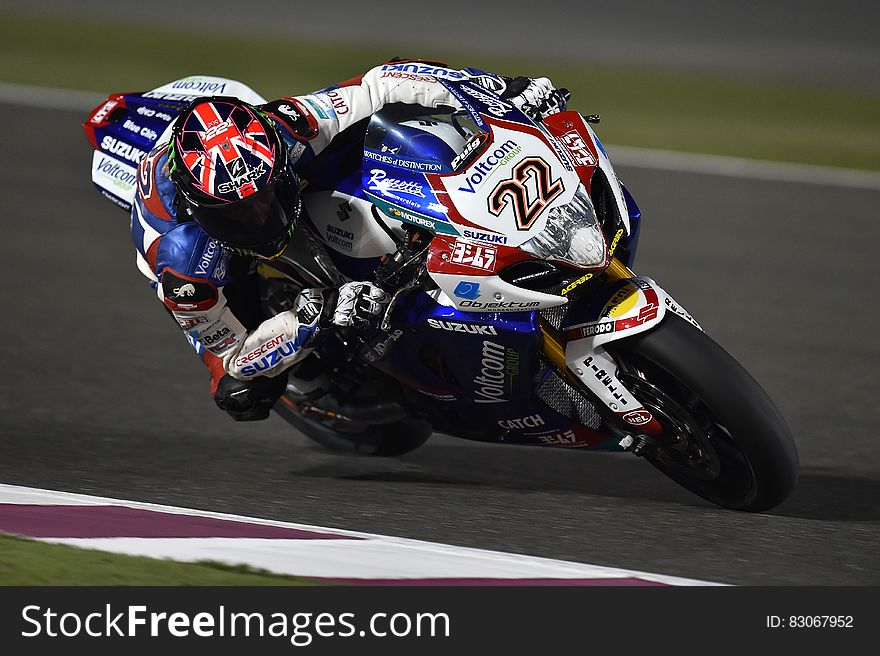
(660, 160)
(72, 100)
(368, 557)
(739, 167)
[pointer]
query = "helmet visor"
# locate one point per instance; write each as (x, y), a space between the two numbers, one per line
(260, 222)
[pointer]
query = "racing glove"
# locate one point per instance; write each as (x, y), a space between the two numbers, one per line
(359, 305)
(249, 400)
(537, 98)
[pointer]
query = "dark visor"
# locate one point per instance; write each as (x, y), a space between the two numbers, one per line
(256, 223)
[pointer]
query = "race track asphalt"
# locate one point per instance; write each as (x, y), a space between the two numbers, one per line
(102, 395)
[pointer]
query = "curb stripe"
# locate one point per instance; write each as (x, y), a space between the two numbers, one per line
(556, 583)
(64, 521)
(368, 558)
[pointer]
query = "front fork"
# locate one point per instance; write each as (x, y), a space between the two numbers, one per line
(589, 367)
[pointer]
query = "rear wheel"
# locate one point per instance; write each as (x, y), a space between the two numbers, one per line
(724, 439)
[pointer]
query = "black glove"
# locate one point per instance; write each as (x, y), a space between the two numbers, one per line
(249, 400)
(536, 97)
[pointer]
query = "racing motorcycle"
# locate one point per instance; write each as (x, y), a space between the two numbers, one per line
(507, 245)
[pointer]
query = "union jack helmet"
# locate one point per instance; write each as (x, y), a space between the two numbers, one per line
(230, 167)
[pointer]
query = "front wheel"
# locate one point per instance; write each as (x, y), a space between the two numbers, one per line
(724, 439)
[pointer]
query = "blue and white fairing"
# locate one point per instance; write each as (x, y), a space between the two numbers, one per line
(470, 372)
(397, 156)
(128, 126)
(405, 148)
(476, 375)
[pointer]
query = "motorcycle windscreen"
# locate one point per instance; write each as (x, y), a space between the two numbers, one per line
(423, 140)
(405, 144)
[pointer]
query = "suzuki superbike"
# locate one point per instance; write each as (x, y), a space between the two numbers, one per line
(507, 245)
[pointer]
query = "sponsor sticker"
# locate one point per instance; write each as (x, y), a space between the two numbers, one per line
(474, 255)
(500, 306)
(184, 291)
(318, 108)
(490, 381)
(260, 350)
(597, 328)
(532, 421)
(482, 170)
(413, 218)
(172, 97)
(241, 176)
(338, 102)
(405, 163)
(269, 359)
(145, 132)
(187, 294)
(578, 149)
(124, 150)
(424, 69)
(189, 322)
(494, 105)
(470, 151)
(614, 243)
(576, 283)
(99, 116)
(379, 181)
(201, 86)
(207, 257)
(458, 327)
(623, 301)
(637, 417)
(467, 289)
(217, 338)
(570, 438)
(607, 379)
(340, 237)
(489, 237)
(113, 175)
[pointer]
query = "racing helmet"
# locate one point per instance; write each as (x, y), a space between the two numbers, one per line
(230, 166)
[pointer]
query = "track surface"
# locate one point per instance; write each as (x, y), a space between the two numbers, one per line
(102, 394)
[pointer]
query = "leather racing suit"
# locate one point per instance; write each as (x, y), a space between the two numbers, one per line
(211, 291)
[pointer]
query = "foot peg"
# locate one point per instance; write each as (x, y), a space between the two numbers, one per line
(640, 445)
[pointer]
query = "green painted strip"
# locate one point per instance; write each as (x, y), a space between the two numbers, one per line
(30, 562)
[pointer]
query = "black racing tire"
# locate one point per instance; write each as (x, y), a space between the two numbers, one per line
(757, 460)
(384, 440)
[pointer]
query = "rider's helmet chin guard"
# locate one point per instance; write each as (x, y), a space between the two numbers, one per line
(230, 167)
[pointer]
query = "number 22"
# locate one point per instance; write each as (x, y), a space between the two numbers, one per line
(514, 192)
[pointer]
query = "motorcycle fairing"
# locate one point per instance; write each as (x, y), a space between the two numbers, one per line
(483, 191)
(480, 379)
(577, 139)
(628, 307)
(490, 293)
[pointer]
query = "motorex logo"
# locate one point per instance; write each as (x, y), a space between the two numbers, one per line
(467, 289)
(479, 172)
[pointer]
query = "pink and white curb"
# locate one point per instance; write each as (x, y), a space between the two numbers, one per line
(143, 529)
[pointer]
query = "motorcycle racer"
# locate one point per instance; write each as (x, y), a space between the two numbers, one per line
(224, 194)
